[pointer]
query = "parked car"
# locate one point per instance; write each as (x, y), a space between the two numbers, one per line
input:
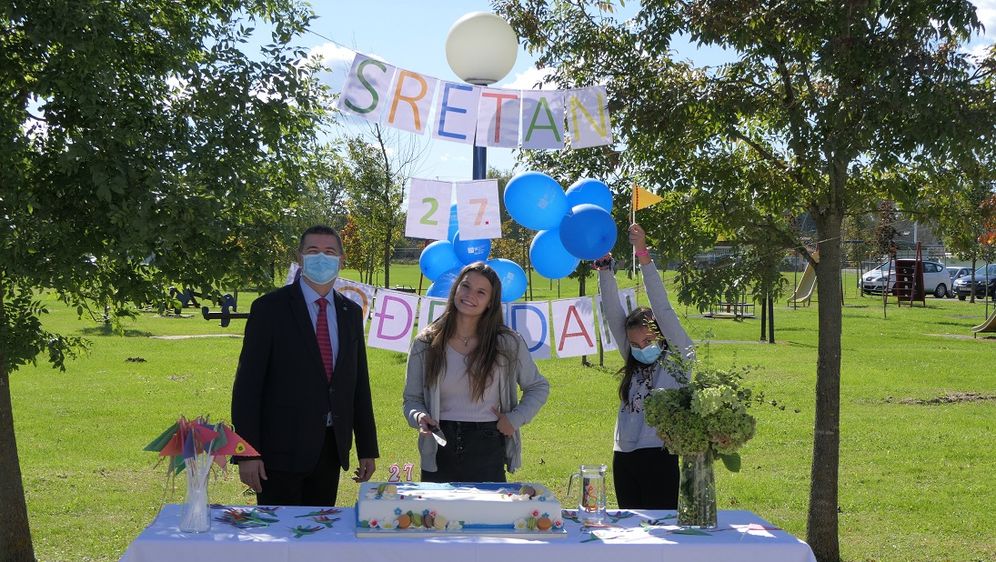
(985, 284)
(956, 271)
(935, 279)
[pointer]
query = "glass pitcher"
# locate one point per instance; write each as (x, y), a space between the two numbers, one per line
(591, 505)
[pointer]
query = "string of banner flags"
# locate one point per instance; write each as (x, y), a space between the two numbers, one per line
(471, 114)
(567, 326)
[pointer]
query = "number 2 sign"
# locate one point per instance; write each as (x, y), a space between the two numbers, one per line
(428, 209)
(477, 209)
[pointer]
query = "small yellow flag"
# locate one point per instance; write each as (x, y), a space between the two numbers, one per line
(643, 198)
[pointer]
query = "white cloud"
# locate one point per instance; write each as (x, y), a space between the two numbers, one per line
(337, 60)
(986, 11)
(528, 79)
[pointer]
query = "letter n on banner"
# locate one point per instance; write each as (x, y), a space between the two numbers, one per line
(367, 87)
(393, 320)
(360, 293)
(574, 327)
(428, 310)
(588, 117)
(532, 320)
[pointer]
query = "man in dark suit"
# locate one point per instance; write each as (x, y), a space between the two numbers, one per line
(302, 389)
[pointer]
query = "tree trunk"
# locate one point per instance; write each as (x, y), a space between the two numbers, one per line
(764, 315)
(15, 534)
(822, 521)
(771, 320)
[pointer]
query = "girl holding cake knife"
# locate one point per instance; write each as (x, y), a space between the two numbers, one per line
(463, 378)
(658, 354)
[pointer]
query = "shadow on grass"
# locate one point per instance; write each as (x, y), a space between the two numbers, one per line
(108, 331)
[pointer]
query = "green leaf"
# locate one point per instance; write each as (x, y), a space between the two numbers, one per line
(732, 462)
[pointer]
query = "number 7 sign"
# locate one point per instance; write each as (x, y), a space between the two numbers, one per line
(428, 209)
(477, 209)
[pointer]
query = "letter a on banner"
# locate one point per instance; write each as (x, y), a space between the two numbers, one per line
(588, 117)
(531, 321)
(542, 119)
(393, 320)
(477, 209)
(367, 86)
(428, 209)
(574, 327)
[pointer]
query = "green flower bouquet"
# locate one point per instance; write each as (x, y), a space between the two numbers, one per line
(706, 418)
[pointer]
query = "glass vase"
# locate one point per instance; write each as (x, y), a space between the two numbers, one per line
(195, 516)
(697, 492)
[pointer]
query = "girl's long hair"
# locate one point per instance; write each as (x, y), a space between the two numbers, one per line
(641, 316)
(483, 359)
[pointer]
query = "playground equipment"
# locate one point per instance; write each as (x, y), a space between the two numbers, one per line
(804, 291)
(228, 308)
(988, 326)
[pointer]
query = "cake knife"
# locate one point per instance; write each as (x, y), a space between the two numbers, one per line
(437, 434)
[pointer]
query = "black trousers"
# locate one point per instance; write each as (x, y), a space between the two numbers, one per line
(646, 479)
(318, 487)
(474, 452)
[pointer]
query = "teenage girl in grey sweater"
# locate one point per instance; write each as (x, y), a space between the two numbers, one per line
(657, 352)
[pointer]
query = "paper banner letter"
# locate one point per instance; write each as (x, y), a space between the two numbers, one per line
(530, 320)
(477, 209)
(428, 209)
(542, 119)
(588, 117)
(393, 320)
(643, 198)
(366, 88)
(415, 91)
(574, 327)
(428, 310)
(498, 118)
(360, 293)
(456, 112)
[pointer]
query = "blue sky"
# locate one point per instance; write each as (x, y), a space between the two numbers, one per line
(412, 35)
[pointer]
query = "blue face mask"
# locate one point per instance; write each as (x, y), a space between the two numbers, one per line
(646, 355)
(320, 269)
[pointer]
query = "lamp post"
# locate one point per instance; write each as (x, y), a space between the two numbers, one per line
(481, 49)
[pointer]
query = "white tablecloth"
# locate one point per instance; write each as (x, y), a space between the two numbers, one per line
(742, 536)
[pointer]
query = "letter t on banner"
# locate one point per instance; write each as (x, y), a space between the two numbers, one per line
(477, 209)
(428, 209)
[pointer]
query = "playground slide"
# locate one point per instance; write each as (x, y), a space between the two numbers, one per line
(804, 292)
(988, 326)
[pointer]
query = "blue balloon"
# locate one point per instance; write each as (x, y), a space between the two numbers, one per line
(441, 287)
(535, 200)
(549, 256)
(454, 223)
(588, 232)
(512, 277)
(469, 251)
(438, 258)
(590, 191)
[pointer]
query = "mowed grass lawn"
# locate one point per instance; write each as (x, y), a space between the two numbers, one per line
(915, 478)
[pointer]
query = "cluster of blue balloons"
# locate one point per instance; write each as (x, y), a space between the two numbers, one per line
(573, 226)
(442, 260)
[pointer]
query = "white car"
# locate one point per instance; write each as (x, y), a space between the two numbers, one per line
(935, 278)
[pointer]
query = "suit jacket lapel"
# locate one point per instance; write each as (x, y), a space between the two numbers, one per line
(303, 320)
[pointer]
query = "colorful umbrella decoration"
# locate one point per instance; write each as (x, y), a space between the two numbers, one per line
(190, 442)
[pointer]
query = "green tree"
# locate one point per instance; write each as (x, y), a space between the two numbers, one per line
(139, 146)
(816, 108)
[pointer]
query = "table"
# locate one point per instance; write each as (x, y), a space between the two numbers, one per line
(742, 536)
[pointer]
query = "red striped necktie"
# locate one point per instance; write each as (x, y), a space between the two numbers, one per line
(324, 341)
